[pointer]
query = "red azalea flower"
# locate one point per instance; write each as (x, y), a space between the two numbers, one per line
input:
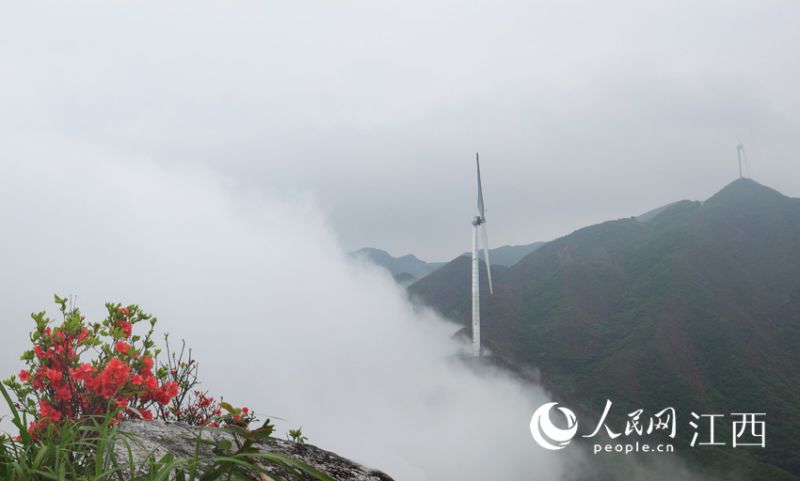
(68, 389)
(48, 411)
(84, 372)
(127, 328)
(53, 376)
(150, 382)
(63, 394)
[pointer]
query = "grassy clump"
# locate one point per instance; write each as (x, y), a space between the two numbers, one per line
(89, 450)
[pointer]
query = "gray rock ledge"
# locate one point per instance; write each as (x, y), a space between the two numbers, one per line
(158, 438)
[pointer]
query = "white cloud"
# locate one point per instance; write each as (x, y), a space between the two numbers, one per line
(278, 316)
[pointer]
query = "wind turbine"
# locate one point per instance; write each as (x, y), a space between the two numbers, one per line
(740, 154)
(479, 222)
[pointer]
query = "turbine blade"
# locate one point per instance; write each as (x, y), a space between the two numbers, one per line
(485, 242)
(480, 189)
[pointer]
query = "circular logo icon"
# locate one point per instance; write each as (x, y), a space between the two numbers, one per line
(546, 433)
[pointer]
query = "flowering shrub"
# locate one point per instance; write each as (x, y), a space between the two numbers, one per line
(82, 378)
(193, 406)
(78, 369)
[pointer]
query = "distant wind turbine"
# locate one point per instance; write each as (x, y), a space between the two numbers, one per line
(479, 221)
(741, 156)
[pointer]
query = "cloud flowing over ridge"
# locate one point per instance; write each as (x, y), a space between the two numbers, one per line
(276, 314)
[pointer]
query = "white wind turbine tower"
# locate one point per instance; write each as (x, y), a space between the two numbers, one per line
(479, 222)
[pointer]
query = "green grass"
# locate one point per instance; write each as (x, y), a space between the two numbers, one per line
(85, 450)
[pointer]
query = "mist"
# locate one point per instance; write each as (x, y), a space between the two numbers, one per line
(583, 111)
(278, 317)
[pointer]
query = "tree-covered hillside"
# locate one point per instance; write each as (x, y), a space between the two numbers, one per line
(697, 307)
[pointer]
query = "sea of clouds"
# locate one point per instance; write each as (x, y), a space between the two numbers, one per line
(279, 316)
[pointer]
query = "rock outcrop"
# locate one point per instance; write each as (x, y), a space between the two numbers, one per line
(158, 438)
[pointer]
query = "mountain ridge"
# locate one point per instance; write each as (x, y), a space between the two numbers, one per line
(698, 303)
(407, 269)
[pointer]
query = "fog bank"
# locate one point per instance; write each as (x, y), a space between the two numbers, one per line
(278, 316)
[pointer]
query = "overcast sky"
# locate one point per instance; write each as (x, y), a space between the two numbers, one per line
(583, 111)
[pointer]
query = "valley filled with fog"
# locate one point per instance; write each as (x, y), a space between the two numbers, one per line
(279, 317)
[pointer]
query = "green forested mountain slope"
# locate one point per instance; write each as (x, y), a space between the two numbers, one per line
(697, 307)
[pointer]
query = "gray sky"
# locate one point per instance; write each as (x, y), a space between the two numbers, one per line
(583, 111)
